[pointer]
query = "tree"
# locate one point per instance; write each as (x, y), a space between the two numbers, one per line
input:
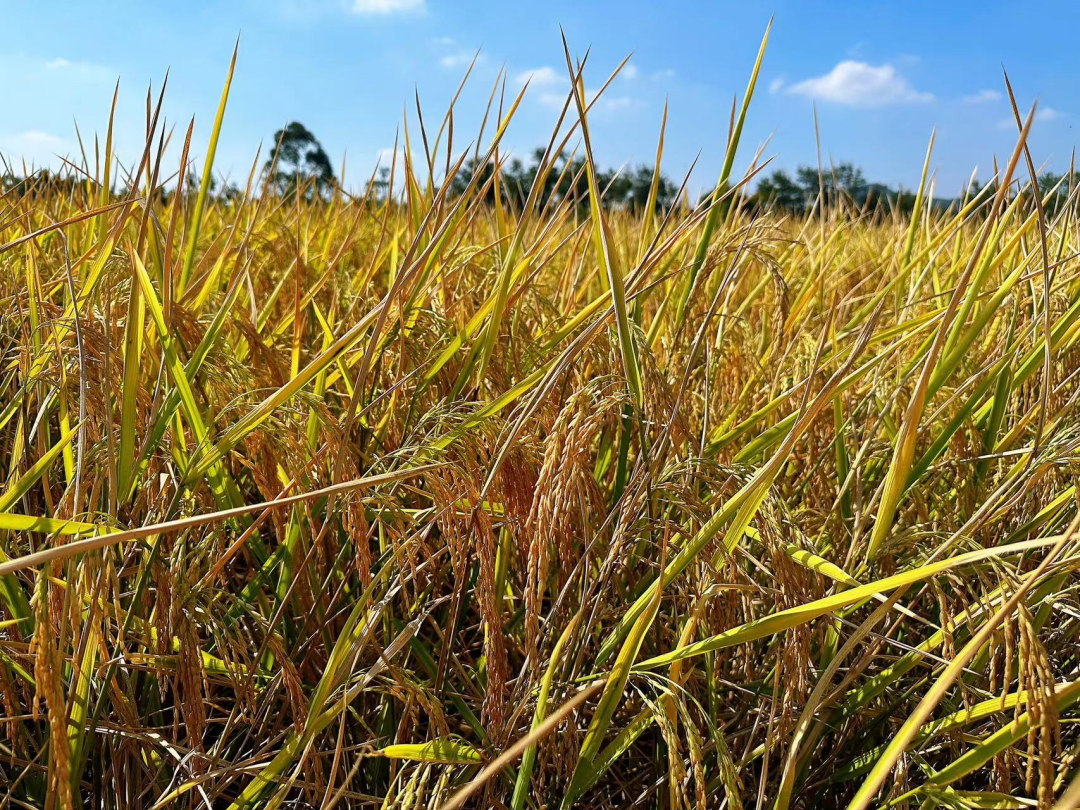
(779, 190)
(300, 162)
(625, 190)
(380, 189)
(1055, 188)
(844, 180)
(630, 189)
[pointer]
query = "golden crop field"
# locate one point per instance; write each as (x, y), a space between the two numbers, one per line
(439, 496)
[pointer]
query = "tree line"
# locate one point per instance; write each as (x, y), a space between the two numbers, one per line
(798, 192)
(300, 164)
(627, 189)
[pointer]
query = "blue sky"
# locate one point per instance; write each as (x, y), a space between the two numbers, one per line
(883, 76)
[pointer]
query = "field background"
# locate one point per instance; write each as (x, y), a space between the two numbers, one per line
(320, 499)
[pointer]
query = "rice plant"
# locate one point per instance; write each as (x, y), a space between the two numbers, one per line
(445, 497)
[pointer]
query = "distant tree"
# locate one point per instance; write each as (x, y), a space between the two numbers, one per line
(380, 188)
(230, 192)
(630, 189)
(1047, 181)
(625, 190)
(192, 182)
(459, 183)
(779, 190)
(844, 180)
(1055, 188)
(299, 161)
(40, 182)
(976, 187)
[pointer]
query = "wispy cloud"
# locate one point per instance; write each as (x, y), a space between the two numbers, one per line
(545, 76)
(35, 147)
(80, 69)
(459, 59)
(40, 138)
(553, 99)
(776, 85)
(859, 84)
(607, 102)
(387, 156)
(982, 97)
(1043, 115)
(388, 161)
(553, 89)
(386, 6)
(614, 103)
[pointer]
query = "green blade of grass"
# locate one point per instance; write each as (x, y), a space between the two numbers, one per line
(195, 223)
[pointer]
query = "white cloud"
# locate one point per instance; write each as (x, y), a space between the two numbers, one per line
(982, 97)
(82, 70)
(776, 85)
(606, 103)
(387, 161)
(553, 89)
(859, 84)
(629, 71)
(386, 6)
(34, 147)
(545, 76)
(459, 59)
(615, 103)
(856, 50)
(37, 137)
(666, 73)
(554, 100)
(1043, 115)
(387, 157)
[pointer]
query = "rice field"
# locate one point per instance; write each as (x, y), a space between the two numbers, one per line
(433, 498)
